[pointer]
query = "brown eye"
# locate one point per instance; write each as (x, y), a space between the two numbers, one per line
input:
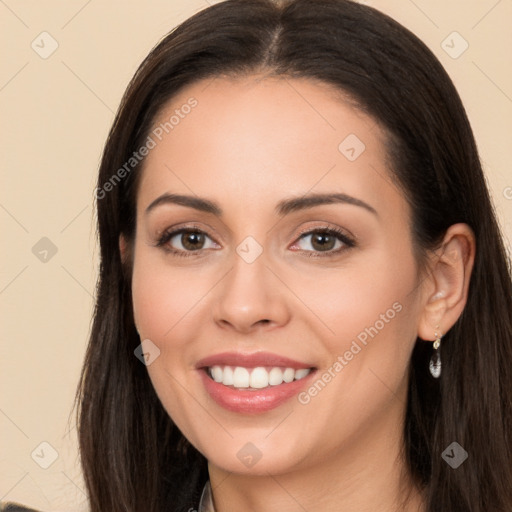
(192, 240)
(187, 240)
(323, 241)
(320, 241)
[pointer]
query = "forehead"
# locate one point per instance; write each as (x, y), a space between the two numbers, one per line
(258, 138)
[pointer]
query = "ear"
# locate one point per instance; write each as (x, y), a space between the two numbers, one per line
(126, 253)
(123, 248)
(447, 283)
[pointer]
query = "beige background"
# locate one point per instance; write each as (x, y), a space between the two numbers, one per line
(55, 116)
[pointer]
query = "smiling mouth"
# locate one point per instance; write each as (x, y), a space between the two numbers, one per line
(260, 377)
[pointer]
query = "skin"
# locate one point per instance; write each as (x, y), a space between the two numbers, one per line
(248, 145)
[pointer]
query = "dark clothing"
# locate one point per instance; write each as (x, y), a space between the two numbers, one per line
(14, 507)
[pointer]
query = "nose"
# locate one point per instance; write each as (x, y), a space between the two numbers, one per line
(250, 298)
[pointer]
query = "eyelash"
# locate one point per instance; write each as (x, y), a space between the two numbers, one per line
(340, 235)
(168, 235)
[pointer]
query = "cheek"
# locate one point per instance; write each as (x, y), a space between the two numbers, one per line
(368, 325)
(163, 297)
(371, 291)
(166, 302)
(368, 318)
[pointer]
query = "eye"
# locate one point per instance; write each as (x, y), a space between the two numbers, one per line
(187, 240)
(323, 240)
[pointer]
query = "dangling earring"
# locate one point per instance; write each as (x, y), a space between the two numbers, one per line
(435, 361)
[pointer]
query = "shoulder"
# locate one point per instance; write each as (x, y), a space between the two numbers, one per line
(14, 507)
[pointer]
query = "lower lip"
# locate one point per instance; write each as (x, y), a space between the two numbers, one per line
(251, 401)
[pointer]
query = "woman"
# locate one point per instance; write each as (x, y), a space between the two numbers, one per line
(304, 301)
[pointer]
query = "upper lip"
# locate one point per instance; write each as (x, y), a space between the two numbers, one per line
(250, 360)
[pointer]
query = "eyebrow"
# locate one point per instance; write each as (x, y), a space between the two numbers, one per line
(195, 202)
(311, 200)
(283, 207)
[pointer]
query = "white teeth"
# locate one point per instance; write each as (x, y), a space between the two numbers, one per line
(300, 374)
(217, 374)
(227, 379)
(289, 375)
(275, 377)
(259, 378)
(255, 378)
(240, 377)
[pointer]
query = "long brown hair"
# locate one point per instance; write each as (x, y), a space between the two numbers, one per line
(134, 458)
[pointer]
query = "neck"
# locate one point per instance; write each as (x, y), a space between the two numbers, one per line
(367, 474)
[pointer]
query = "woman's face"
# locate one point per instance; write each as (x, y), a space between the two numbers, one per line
(270, 236)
